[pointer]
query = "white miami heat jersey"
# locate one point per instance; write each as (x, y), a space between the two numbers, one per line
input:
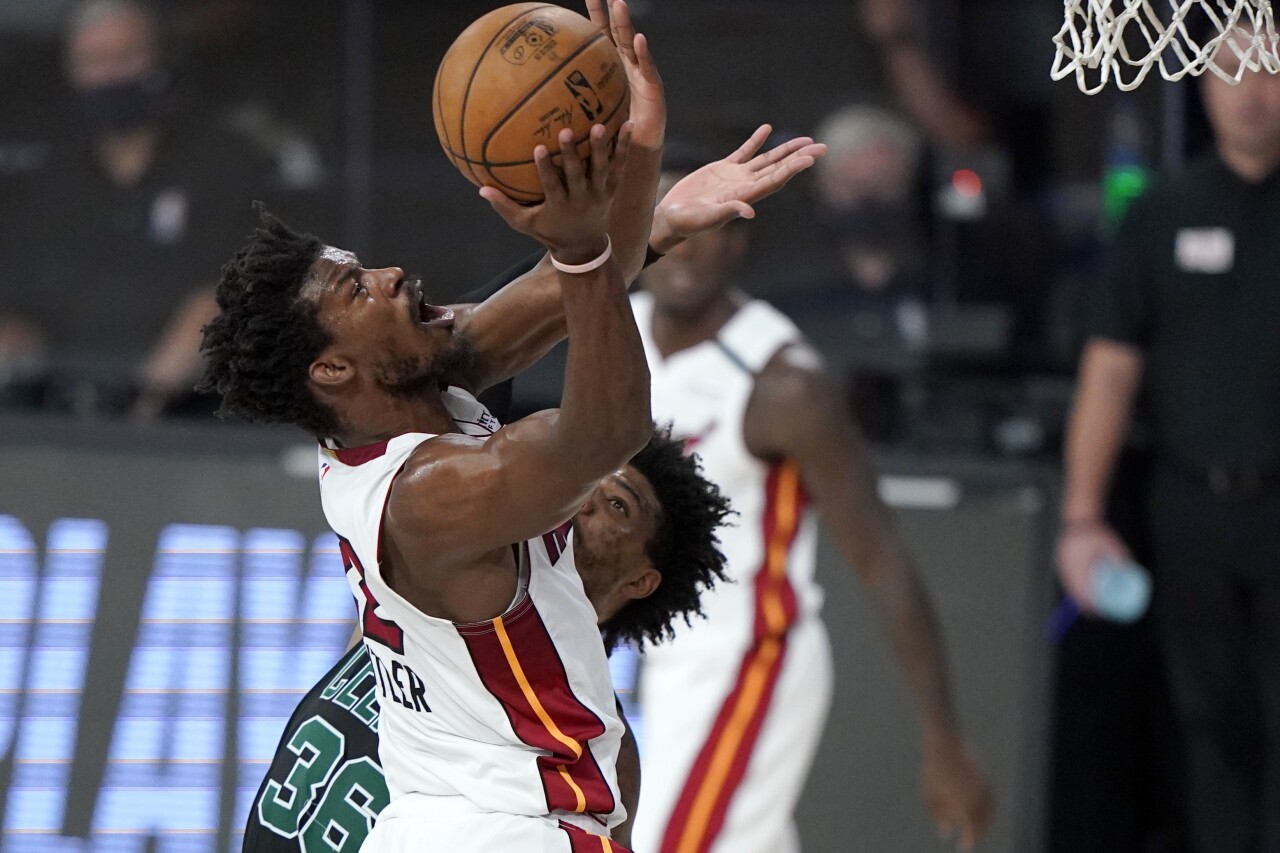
(517, 713)
(770, 544)
(734, 705)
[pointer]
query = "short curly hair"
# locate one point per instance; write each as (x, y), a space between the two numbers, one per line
(259, 347)
(684, 549)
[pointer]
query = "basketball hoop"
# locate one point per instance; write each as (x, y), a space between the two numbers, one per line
(1120, 41)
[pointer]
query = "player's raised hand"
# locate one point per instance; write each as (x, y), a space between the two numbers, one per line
(648, 103)
(955, 792)
(570, 221)
(725, 190)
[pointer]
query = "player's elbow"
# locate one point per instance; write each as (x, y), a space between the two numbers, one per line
(624, 438)
(639, 432)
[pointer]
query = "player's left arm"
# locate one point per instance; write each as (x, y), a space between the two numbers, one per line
(797, 412)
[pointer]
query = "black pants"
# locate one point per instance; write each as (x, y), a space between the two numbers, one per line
(1218, 618)
(1115, 778)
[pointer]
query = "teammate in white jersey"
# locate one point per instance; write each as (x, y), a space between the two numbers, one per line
(735, 705)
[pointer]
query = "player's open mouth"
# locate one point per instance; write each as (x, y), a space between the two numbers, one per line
(436, 315)
(428, 314)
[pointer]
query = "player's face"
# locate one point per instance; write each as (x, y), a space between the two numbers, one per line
(1245, 117)
(611, 533)
(381, 323)
(696, 273)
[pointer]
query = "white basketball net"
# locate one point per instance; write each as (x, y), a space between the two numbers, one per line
(1119, 41)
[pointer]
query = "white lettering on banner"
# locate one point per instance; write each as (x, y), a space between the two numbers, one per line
(48, 620)
(294, 626)
(214, 596)
(164, 765)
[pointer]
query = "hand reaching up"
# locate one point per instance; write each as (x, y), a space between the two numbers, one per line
(725, 190)
(648, 104)
(570, 221)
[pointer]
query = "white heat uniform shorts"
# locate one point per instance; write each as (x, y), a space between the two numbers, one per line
(416, 823)
(721, 784)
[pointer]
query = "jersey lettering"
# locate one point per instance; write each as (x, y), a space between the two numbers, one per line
(348, 690)
(401, 685)
(375, 627)
(556, 540)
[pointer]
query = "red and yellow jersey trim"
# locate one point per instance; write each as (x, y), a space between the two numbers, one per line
(722, 762)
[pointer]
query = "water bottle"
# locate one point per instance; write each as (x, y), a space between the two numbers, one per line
(1121, 589)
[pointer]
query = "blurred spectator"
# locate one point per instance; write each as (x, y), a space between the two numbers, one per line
(117, 241)
(866, 197)
(1187, 313)
(895, 28)
(988, 245)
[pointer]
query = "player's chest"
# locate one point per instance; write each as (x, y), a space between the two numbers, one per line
(698, 397)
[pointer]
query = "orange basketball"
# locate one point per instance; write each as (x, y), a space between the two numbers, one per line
(513, 80)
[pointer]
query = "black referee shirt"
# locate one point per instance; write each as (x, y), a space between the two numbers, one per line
(1193, 280)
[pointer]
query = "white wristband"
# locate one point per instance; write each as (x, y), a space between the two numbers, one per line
(577, 269)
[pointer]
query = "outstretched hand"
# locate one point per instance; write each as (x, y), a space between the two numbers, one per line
(648, 104)
(725, 190)
(570, 220)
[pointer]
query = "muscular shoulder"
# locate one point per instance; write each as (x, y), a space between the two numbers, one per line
(433, 496)
(792, 375)
(435, 469)
(792, 394)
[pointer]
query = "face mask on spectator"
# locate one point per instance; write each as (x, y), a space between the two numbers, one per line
(121, 106)
(871, 224)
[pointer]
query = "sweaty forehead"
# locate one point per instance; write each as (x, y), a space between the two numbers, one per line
(324, 270)
(336, 255)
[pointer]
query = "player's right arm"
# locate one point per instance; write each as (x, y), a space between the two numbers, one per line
(458, 499)
(1110, 372)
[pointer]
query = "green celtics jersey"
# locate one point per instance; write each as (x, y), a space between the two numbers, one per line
(325, 787)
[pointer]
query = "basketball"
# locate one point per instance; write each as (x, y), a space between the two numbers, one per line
(512, 80)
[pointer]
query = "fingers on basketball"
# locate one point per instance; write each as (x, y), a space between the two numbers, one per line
(624, 31)
(504, 86)
(598, 15)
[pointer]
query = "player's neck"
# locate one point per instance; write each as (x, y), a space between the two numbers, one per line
(674, 331)
(393, 416)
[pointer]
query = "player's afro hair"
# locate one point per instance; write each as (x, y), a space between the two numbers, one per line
(684, 549)
(259, 347)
